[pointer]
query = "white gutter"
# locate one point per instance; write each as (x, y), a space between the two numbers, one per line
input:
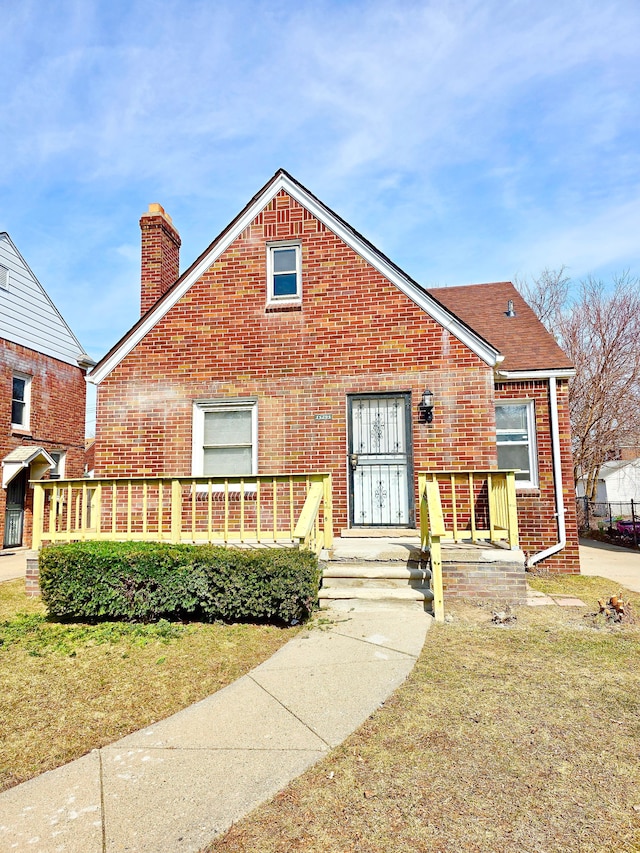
(557, 479)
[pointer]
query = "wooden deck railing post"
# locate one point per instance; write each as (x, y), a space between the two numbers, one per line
(512, 510)
(38, 516)
(328, 511)
(176, 510)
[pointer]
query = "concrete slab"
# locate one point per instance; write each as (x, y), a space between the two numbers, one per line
(337, 699)
(317, 648)
(384, 628)
(13, 563)
(620, 565)
(377, 548)
(241, 716)
(181, 799)
(58, 811)
(568, 602)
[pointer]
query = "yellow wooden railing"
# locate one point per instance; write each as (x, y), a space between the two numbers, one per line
(458, 506)
(281, 509)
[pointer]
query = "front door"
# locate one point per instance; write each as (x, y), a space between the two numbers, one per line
(380, 469)
(14, 514)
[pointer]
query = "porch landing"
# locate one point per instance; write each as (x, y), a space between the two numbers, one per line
(391, 572)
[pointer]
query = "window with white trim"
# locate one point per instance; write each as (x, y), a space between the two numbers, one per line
(284, 273)
(516, 440)
(57, 472)
(224, 438)
(21, 401)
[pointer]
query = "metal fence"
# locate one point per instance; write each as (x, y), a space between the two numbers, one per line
(621, 518)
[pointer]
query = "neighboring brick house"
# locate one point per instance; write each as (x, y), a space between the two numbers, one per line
(293, 345)
(42, 394)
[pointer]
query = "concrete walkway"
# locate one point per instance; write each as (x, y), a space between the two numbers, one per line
(621, 565)
(13, 563)
(177, 784)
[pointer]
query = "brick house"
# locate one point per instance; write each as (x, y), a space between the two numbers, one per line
(42, 394)
(293, 345)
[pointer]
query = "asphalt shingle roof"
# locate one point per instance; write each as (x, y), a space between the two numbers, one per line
(523, 340)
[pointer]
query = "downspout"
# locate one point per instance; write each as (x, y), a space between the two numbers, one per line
(557, 479)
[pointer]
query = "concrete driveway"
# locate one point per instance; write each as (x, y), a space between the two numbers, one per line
(609, 561)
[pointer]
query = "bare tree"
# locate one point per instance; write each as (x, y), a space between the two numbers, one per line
(548, 295)
(599, 329)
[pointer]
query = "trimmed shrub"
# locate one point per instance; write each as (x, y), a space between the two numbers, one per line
(147, 581)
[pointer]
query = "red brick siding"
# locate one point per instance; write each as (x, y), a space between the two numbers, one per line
(536, 507)
(58, 392)
(354, 333)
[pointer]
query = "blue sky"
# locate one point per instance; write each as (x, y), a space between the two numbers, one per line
(470, 141)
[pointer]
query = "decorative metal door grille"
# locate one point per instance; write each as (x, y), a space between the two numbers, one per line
(379, 461)
(14, 514)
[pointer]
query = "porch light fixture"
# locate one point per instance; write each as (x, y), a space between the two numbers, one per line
(425, 407)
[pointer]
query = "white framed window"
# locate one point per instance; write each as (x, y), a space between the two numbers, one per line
(516, 440)
(21, 401)
(57, 472)
(225, 438)
(284, 273)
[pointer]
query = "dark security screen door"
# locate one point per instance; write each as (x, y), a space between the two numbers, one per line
(380, 461)
(14, 514)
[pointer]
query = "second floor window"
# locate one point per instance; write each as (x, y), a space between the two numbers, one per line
(284, 273)
(20, 401)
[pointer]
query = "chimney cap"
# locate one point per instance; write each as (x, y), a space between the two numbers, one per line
(156, 209)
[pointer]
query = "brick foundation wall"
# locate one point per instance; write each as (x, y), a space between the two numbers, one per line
(32, 575)
(502, 581)
(57, 421)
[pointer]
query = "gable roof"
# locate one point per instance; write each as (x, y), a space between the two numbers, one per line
(524, 342)
(28, 317)
(282, 180)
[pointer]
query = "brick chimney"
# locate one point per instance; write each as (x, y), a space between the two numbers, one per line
(160, 255)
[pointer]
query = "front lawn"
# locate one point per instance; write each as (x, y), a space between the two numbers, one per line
(70, 688)
(518, 739)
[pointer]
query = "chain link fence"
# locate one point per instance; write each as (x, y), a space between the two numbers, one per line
(618, 519)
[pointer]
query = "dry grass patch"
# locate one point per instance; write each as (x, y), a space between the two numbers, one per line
(70, 688)
(522, 738)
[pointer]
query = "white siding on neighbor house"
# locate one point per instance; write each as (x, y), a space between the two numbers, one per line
(622, 480)
(27, 316)
(619, 482)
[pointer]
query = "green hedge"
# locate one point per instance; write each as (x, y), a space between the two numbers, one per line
(146, 581)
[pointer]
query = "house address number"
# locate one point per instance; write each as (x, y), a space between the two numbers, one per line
(324, 417)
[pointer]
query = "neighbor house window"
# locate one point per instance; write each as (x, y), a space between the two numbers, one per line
(224, 438)
(516, 440)
(20, 399)
(57, 472)
(284, 272)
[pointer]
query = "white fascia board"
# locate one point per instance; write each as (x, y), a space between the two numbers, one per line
(282, 182)
(513, 375)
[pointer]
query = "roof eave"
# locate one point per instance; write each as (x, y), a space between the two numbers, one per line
(544, 373)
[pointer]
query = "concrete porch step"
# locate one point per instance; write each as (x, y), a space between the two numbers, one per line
(375, 576)
(369, 598)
